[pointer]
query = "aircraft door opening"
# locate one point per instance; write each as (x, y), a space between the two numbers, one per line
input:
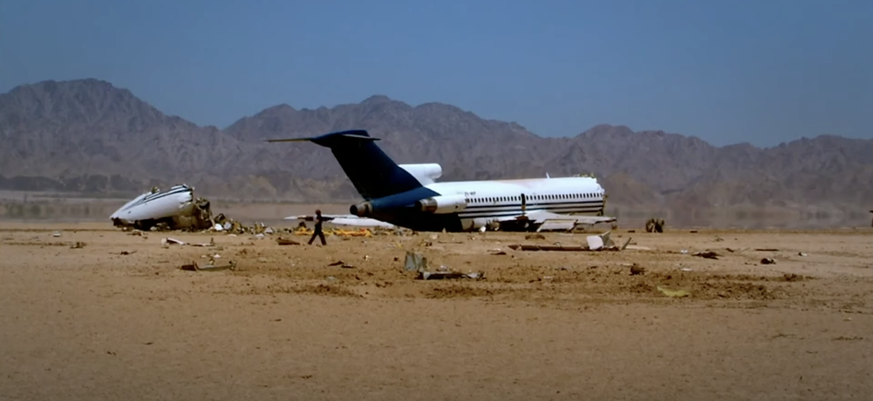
(523, 204)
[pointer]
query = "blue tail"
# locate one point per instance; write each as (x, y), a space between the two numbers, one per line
(371, 171)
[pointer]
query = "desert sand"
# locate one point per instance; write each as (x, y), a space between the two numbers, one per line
(118, 319)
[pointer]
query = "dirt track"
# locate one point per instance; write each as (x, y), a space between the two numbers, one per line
(92, 323)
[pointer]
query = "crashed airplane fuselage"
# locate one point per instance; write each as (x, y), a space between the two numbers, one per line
(176, 208)
(408, 196)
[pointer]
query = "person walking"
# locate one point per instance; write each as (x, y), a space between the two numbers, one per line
(317, 231)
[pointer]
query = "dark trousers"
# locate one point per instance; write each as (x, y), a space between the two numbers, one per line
(319, 234)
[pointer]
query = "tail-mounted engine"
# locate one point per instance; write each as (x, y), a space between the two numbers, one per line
(364, 209)
(442, 204)
(405, 201)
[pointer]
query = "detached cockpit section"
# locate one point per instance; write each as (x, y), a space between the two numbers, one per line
(175, 208)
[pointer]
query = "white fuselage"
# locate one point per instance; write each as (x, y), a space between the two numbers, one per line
(489, 200)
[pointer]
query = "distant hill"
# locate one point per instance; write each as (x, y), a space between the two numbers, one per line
(89, 136)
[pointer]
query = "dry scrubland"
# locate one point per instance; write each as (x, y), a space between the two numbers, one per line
(93, 323)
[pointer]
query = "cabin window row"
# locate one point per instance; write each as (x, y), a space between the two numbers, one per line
(497, 199)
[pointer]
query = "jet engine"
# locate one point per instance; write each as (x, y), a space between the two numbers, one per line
(442, 204)
(364, 209)
(425, 173)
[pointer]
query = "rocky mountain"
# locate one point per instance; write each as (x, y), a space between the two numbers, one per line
(89, 136)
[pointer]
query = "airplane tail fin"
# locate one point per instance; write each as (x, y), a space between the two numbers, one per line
(371, 171)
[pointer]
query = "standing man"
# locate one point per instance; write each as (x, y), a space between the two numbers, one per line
(318, 232)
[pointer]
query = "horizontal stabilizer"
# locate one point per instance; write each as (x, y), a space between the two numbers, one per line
(332, 139)
(290, 140)
(369, 169)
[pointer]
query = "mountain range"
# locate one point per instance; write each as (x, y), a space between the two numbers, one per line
(88, 136)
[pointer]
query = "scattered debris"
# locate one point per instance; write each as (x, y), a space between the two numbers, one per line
(343, 220)
(286, 241)
(166, 242)
(193, 266)
(768, 261)
(78, 245)
(595, 242)
(673, 293)
(423, 275)
(655, 225)
(342, 264)
(600, 242)
(626, 243)
(707, 255)
(171, 241)
(791, 277)
(534, 247)
(211, 243)
(415, 262)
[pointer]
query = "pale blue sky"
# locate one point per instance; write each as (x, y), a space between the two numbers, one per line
(760, 71)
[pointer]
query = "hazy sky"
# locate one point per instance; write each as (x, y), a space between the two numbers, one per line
(762, 71)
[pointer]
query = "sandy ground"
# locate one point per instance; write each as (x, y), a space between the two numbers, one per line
(93, 323)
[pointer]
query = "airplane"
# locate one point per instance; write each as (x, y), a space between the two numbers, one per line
(407, 195)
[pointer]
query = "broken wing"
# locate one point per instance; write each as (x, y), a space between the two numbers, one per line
(544, 219)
